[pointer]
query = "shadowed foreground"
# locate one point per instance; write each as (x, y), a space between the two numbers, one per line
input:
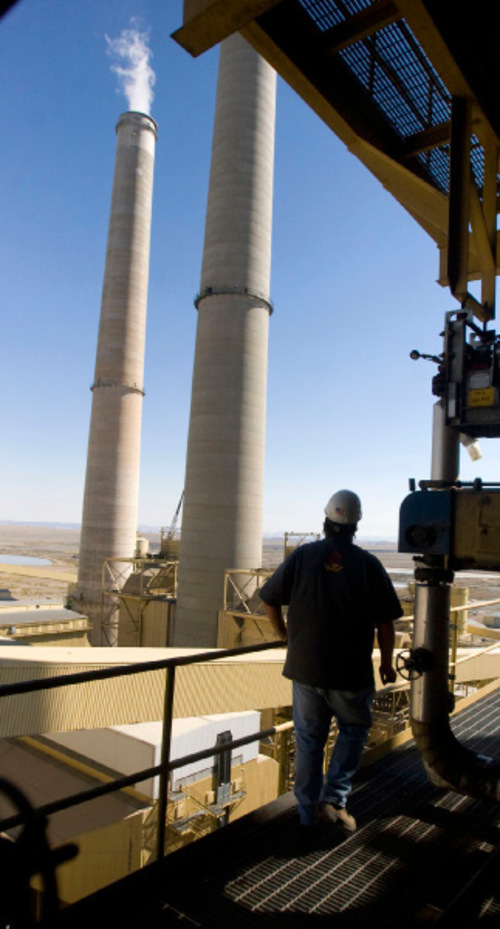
(421, 856)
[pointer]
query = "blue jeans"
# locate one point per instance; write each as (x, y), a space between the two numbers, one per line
(313, 709)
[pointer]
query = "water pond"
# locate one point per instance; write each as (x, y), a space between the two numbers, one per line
(23, 560)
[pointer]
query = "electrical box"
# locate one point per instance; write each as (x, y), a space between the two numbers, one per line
(471, 367)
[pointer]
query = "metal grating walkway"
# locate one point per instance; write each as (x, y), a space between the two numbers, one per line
(412, 861)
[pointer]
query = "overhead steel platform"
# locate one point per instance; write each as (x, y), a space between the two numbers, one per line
(411, 88)
(421, 856)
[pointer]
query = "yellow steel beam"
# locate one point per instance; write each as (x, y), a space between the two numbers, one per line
(489, 214)
(208, 22)
(476, 269)
(435, 47)
(428, 206)
(480, 234)
(361, 25)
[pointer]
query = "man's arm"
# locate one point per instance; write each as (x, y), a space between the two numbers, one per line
(385, 633)
(275, 615)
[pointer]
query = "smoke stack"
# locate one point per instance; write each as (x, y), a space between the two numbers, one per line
(109, 520)
(222, 522)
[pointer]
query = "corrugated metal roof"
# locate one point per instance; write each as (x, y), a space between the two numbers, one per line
(18, 617)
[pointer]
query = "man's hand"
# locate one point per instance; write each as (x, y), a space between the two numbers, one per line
(385, 633)
(275, 615)
(388, 674)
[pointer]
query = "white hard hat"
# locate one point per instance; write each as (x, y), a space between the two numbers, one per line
(344, 507)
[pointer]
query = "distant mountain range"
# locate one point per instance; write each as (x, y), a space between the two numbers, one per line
(31, 522)
(156, 529)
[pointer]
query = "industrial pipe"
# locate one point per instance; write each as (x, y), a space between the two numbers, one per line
(448, 763)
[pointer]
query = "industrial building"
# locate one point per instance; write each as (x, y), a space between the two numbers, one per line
(35, 624)
(115, 835)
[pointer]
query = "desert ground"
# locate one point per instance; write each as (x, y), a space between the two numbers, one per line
(60, 546)
(38, 583)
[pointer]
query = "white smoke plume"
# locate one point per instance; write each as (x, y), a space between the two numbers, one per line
(135, 75)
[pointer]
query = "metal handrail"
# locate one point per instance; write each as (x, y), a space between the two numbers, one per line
(462, 608)
(166, 765)
(478, 652)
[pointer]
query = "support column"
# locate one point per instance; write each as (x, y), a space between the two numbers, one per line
(109, 521)
(430, 698)
(222, 518)
(445, 446)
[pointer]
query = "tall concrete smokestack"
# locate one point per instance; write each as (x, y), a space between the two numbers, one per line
(222, 523)
(109, 521)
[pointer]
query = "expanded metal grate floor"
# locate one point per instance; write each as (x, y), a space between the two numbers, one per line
(411, 862)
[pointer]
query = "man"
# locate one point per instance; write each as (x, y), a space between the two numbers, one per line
(337, 595)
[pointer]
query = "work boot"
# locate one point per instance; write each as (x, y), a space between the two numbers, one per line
(338, 814)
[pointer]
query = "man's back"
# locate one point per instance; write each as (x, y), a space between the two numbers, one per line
(337, 594)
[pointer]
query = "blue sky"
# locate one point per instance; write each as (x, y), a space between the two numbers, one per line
(353, 284)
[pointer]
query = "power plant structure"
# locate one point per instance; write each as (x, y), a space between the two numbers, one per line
(109, 519)
(422, 852)
(222, 521)
(222, 518)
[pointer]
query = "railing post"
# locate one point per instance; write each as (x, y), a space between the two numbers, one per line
(165, 758)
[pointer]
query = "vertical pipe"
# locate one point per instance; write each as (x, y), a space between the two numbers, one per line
(432, 595)
(109, 520)
(166, 742)
(459, 198)
(445, 447)
(430, 692)
(222, 518)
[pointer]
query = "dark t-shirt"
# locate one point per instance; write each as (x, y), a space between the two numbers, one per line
(337, 595)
